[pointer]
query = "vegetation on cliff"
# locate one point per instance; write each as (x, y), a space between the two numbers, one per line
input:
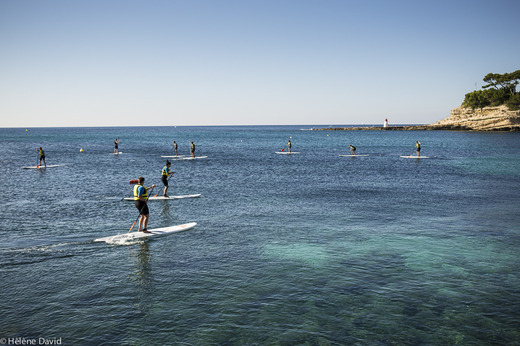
(500, 90)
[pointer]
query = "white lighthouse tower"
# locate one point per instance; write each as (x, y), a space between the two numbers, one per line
(386, 123)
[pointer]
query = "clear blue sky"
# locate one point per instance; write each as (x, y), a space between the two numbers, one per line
(250, 62)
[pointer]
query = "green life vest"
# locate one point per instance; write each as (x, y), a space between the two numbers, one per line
(166, 171)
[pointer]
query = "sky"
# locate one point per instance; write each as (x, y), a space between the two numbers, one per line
(249, 62)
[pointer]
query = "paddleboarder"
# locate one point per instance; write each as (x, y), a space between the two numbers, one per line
(289, 145)
(418, 148)
(41, 156)
(175, 147)
(192, 149)
(141, 203)
(165, 175)
(116, 146)
(352, 149)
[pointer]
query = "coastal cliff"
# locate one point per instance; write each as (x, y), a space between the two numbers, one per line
(462, 119)
(486, 119)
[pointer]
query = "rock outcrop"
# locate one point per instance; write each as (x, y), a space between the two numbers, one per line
(486, 119)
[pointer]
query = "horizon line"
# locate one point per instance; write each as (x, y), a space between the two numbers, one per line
(121, 126)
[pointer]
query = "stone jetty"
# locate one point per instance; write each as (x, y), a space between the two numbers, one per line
(461, 119)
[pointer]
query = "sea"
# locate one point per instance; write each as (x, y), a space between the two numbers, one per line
(304, 249)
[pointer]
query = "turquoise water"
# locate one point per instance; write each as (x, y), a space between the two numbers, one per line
(305, 249)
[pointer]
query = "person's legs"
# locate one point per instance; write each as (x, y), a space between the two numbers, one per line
(145, 222)
(141, 223)
(164, 180)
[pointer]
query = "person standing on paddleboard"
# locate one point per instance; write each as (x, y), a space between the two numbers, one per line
(165, 175)
(192, 149)
(175, 147)
(141, 203)
(418, 148)
(289, 145)
(116, 146)
(352, 149)
(41, 156)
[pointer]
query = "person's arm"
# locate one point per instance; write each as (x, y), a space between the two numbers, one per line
(140, 193)
(147, 188)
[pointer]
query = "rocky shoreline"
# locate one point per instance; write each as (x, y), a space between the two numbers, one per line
(461, 119)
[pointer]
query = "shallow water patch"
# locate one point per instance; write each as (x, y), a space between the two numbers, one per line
(311, 254)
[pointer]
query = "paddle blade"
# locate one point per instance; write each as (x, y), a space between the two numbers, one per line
(133, 181)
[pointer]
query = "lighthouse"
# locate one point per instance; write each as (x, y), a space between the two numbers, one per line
(386, 123)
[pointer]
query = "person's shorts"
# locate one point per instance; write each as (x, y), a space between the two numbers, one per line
(164, 180)
(142, 207)
(42, 157)
(418, 149)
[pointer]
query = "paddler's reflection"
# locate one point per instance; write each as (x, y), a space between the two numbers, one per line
(141, 276)
(165, 208)
(142, 269)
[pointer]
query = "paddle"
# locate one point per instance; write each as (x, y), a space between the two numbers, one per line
(37, 160)
(135, 222)
(139, 213)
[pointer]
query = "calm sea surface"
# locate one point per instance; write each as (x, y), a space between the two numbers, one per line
(310, 249)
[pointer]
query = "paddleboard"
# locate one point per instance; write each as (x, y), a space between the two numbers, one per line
(42, 167)
(178, 156)
(352, 155)
(162, 198)
(117, 153)
(156, 232)
(286, 152)
(415, 157)
(189, 158)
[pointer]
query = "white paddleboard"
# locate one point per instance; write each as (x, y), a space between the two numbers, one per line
(353, 155)
(42, 166)
(286, 152)
(178, 156)
(415, 157)
(117, 153)
(189, 158)
(126, 237)
(162, 198)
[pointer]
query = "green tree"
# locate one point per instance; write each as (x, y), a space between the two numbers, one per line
(514, 102)
(507, 81)
(475, 99)
(501, 89)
